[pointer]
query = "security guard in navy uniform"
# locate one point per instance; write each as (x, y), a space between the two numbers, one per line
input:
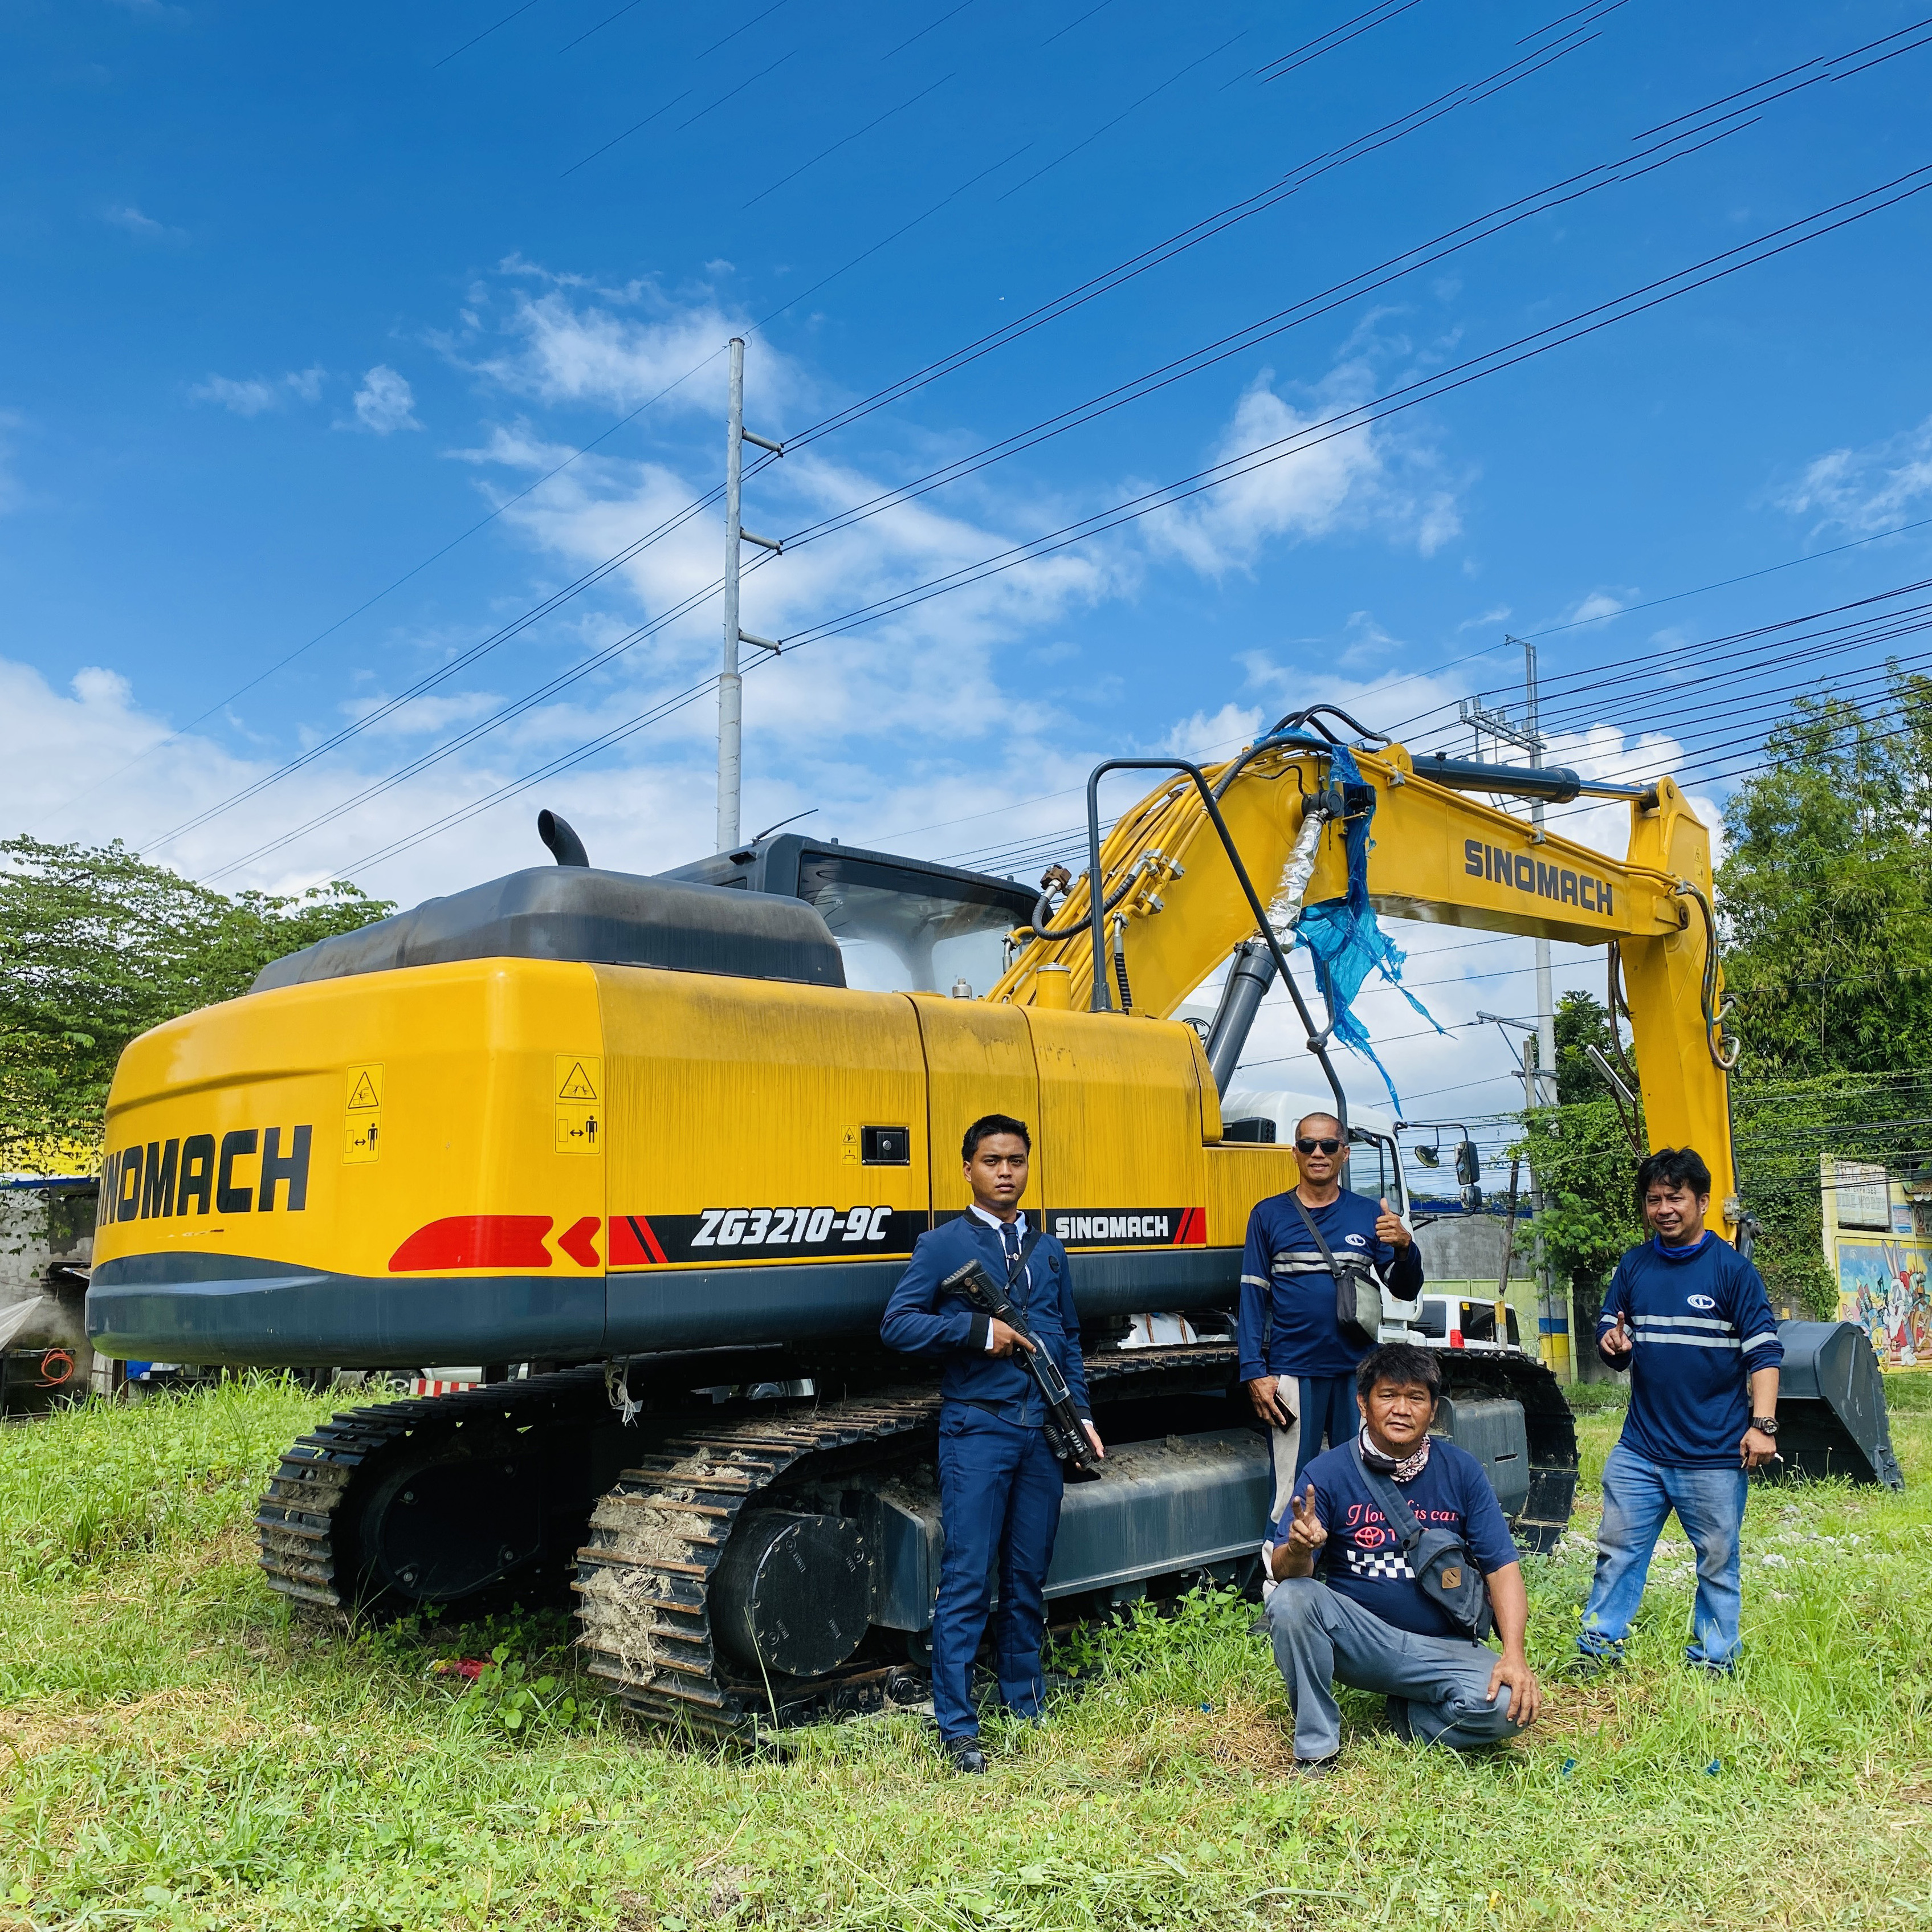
(999, 1484)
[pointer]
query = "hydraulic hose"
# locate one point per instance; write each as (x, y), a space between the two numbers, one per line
(1724, 1049)
(1042, 912)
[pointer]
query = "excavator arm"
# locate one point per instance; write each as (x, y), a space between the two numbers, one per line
(1224, 859)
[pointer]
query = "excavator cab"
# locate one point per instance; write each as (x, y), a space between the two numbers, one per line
(903, 925)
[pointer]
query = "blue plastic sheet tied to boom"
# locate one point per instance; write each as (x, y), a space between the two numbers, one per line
(1344, 935)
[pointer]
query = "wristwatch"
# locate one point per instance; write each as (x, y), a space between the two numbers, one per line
(1766, 1425)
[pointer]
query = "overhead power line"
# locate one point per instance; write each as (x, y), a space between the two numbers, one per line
(1429, 387)
(1336, 37)
(1643, 668)
(1764, 248)
(462, 661)
(1161, 252)
(812, 432)
(513, 14)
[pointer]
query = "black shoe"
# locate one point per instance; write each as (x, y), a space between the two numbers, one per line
(1396, 1711)
(966, 1757)
(1312, 1767)
(1588, 1663)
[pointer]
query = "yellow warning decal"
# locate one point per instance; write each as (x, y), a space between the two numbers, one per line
(579, 1076)
(362, 1114)
(579, 1106)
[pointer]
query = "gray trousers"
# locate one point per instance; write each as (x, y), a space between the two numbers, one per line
(1321, 1637)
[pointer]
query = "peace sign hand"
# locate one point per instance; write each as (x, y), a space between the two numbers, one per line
(1307, 1533)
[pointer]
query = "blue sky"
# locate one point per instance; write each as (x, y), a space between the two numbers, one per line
(293, 300)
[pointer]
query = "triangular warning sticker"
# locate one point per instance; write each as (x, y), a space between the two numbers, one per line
(364, 1094)
(578, 1084)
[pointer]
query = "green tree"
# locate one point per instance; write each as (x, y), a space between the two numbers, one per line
(97, 946)
(1826, 899)
(1825, 905)
(1826, 892)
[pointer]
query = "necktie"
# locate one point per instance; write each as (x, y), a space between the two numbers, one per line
(1009, 1236)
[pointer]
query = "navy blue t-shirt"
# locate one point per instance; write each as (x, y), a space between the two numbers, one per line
(1700, 1322)
(1282, 1265)
(1363, 1557)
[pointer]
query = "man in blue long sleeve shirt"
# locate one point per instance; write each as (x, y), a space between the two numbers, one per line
(1688, 1316)
(1299, 1366)
(1000, 1486)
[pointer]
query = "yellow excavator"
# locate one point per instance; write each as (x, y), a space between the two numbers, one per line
(665, 1142)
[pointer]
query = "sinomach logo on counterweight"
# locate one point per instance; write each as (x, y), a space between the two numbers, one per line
(199, 1175)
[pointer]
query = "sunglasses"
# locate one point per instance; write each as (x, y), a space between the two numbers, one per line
(1306, 1146)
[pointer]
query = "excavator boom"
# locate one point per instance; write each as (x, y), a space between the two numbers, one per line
(1182, 870)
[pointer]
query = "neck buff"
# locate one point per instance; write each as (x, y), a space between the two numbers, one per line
(1404, 1472)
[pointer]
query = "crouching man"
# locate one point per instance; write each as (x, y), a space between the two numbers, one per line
(1374, 1571)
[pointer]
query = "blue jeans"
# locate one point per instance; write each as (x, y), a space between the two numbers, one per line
(1638, 1495)
(999, 1501)
(1321, 1635)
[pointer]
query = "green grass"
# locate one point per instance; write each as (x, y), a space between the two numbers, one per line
(175, 1753)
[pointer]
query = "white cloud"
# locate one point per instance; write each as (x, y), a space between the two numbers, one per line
(1207, 736)
(384, 403)
(144, 227)
(249, 396)
(571, 342)
(1868, 489)
(1598, 603)
(1373, 478)
(256, 395)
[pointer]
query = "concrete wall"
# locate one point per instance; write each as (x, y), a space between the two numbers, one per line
(46, 1229)
(1469, 1247)
(1462, 1255)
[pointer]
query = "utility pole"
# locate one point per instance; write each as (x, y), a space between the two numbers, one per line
(1539, 1057)
(1527, 737)
(731, 684)
(1545, 998)
(1544, 1077)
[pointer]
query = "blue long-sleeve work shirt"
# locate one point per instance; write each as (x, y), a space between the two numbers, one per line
(920, 1320)
(1287, 1291)
(1700, 1325)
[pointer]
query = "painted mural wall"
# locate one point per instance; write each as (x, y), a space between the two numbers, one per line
(1878, 1242)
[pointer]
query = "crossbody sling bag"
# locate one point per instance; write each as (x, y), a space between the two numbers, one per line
(1358, 1295)
(1440, 1558)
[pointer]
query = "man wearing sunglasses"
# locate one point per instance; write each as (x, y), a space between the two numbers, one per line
(1298, 1364)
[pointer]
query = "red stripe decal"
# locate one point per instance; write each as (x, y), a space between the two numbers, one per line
(475, 1241)
(634, 1243)
(580, 1243)
(1193, 1232)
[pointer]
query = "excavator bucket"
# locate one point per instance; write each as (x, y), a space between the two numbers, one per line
(1830, 1405)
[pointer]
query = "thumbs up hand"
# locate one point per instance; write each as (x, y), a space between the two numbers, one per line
(1389, 1228)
